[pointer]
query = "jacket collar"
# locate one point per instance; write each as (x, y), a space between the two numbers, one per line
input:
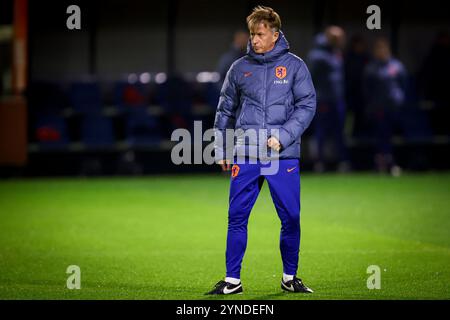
(281, 47)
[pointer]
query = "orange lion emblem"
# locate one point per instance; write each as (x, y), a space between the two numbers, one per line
(280, 72)
(234, 170)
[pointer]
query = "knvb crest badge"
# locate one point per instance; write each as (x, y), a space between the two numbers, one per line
(280, 72)
(234, 171)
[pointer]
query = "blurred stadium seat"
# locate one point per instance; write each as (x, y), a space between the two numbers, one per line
(51, 131)
(85, 97)
(127, 95)
(97, 131)
(175, 95)
(142, 129)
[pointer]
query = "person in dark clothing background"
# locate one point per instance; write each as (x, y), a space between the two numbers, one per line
(384, 94)
(355, 60)
(434, 80)
(237, 50)
(326, 65)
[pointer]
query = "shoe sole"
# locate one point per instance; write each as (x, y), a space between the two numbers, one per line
(222, 294)
(225, 294)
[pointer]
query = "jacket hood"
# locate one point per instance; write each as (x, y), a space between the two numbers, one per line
(281, 47)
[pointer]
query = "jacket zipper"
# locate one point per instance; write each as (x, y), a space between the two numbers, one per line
(264, 97)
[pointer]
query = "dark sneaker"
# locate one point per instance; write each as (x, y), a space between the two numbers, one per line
(295, 285)
(223, 287)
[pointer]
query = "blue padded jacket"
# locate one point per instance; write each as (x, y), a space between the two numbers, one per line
(266, 91)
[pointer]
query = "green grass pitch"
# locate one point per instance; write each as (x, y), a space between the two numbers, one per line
(164, 237)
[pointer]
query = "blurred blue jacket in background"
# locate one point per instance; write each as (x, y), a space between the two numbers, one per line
(327, 70)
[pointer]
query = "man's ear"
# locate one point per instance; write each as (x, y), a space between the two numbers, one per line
(276, 34)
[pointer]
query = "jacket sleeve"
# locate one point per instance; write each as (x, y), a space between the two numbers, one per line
(304, 108)
(226, 116)
(403, 85)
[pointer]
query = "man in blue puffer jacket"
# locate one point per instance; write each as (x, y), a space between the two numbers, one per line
(269, 98)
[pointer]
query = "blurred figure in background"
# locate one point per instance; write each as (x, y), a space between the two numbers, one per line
(355, 60)
(237, 50)
(326, 64)
(434, 81)
(384, 93)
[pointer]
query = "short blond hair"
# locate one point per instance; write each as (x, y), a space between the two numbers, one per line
(265, 15)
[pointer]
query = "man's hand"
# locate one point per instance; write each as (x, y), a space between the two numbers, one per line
(274, 144)
(225, 164)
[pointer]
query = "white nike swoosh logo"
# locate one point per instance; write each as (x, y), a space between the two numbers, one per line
(291, 288)
(228, 291)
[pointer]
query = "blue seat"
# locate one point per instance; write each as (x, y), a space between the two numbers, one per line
(85, 97)
(175, 95)
(97, 131)
(128, 96)
(142, 129)
(51, 132)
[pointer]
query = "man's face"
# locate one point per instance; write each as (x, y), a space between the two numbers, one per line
(336, 37)
(263, 38)
(382, 51)
(240, 40)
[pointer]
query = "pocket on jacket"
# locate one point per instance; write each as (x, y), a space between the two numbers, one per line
(277, 114)
(248, 114)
